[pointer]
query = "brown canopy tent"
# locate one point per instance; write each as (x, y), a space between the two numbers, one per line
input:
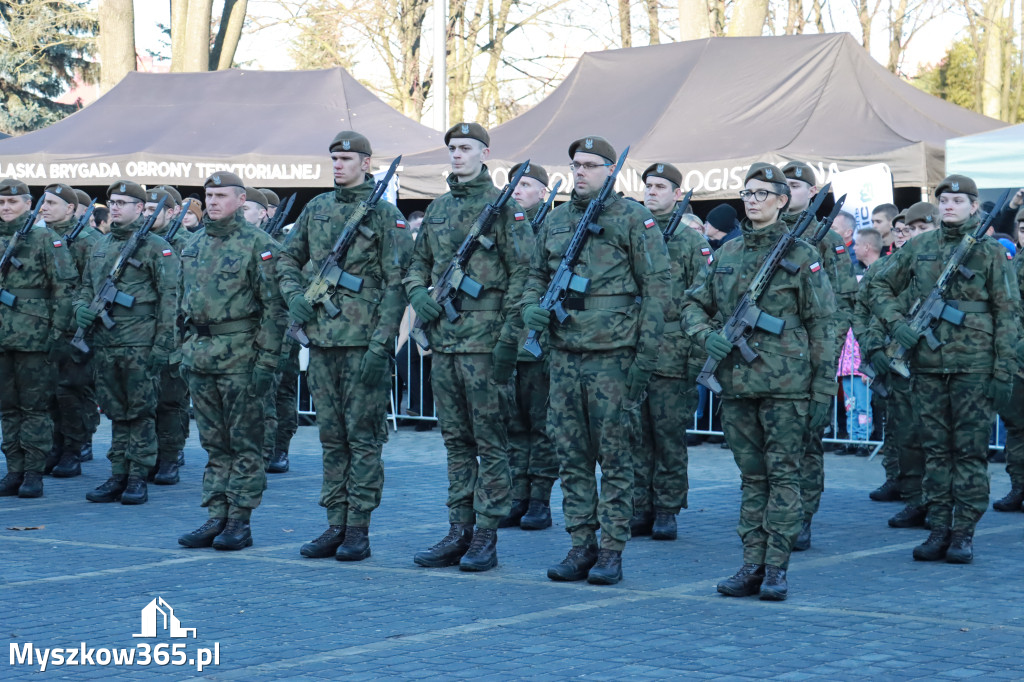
(714, 106)
(270, 127)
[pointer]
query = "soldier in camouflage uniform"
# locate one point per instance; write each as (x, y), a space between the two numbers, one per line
(130, 354)
(601, 358)
(473, 357)
(1013, 416)
(90, 234)
(272, 201)
(255, 209)
(531, 454)
(957, 385)
(229, 299)
(351, 354)
(30, 325)
(769, 404)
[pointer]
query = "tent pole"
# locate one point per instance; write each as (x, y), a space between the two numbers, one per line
(440, 85)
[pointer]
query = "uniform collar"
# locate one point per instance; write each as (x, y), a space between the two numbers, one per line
(477, 185)
(125, 231)
(224, 226)
(350, 195)
(766, 236)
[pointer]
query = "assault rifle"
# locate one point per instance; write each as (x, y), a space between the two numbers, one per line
(747, 316)
(926, 313)
(545, 208)
(332, 275)
(564, 280)
(108, 294)
(454, 279)
(9, 259)
(677, 216)
(176, 223)
(276, 224)
(71, 236)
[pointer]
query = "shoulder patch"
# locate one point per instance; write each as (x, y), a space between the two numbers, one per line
(319, 216)
(815, 266)
(1009, 256)
(400, 224)
(841, 248)
(711, 259)
(519, 216)
(57, 244)
(266, 255)
(705, 251)
(649, 223)
(166, 252)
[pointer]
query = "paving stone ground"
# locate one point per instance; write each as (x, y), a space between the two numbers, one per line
(859, 606)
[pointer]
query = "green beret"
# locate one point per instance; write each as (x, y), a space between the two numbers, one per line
(13, 188)
(534, 171)
(83, 197)
(271, 195)
(474, 131)
(666, 171)
(957, 184)
(1020, 215)
(350, 141)
(127, 188)
(796, 170)
(594, 145)
(254, 195)
(154, 195)
(922, 211)
(174, 194)
(900, 218)
(62, 191)
(224, 179)
(765, 172)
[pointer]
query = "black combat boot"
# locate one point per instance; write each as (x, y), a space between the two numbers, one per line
(934, 548)
(10, 483)
(181, 458)
(641, 524)
(515, 516)
(135, 491)
(482, 554)
(52, 459)
(325, 545)
(204, 535)
(664, 527)
(449, 551)
(278, 463)
(803, 538)
(537, 517)
(70, 464)
(745, 582)
(774, 587)
(32, 485)
(356, 546)
(608, 569)
(166, 473)
(1012, 502)
(86, 453)
(109, 491)
(909, 517)
(236, 535)
(576, 564)
(887, 492)
(961, 547)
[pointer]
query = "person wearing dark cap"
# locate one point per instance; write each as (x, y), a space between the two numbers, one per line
(768, 404)
(137, 347)
(531, 454)
(721, 226)
(350, 353)
(600, 359)
(473, 357)
(959, 384)
(34, 310)
(273, 200)
(234, 326)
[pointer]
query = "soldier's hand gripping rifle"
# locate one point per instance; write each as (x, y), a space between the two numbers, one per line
(564, 280)
(926, 313)
(108, 295)
(10, 259)
(454, 279)
(677, 217)
(276, 223)
(71, 236)
(545, 208)
(747, 316)
(332, 273)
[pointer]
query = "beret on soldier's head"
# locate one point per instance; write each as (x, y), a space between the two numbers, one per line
(271, 195)
(254, 195)
(765, 172)
(594, 145)
(473, 131)
(156, 194)
(174, 194)
(957, 184)
(224, 179)
(62, 191)
(350, 141)
(923, 211)
(534, 171)
(127, 188)
(13, 188)
(900, 218)
(797, 170)
(664, 170)
(83, 197)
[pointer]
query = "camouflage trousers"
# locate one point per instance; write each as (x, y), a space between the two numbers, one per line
(126, 390)
(955, 414)
(75, 417)
(351, 417)
(903, 429)
(889, 453)
(230, 422)
(282, 410)
(1014, 420)
(171, 414)
(589, 422)
(26, 388)
(812, 473)
(531, 454)
(660, 464)
(471, 409)
(768, 440)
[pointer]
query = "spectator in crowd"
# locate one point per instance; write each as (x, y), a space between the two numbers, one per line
(100, 218)
(881, 220)
(845, 225)
(721, 225)
(415, 220)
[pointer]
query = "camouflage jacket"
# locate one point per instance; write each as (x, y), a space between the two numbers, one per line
(986, 342)
(83, 245)
(523, 356)
(373, 314)
(181, 237)
(228, 276)
(794, 364)
(150, 320)
(37, 317)
(867, 329)
(501, 270)
(690, 255)
(627, 260)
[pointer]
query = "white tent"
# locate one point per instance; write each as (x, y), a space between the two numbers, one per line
(994, 159)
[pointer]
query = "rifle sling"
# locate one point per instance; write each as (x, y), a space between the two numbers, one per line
(600, 302)
(30, 293)
(970, 306)
(229, 327)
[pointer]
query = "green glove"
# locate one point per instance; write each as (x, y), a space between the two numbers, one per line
(536, 318)
(300, 309)
(260, 382)
(158, 359)
(880, 363)
(717, 345)
(1000, 392)
(636, 381)
(372, 367)
(84, 317)
(905, 336)
(819, 413)
(425, 307)
(503, 362)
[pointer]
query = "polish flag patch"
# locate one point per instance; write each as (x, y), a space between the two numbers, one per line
(815, 266)
(520, 216)
(841, 248)
(266, 255)
(1009, 256)
(705, 251)
(649, 223)
(166, 252)
(400, 224)
(711, 259)
(57, 244)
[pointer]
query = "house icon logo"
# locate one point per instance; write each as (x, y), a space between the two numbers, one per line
(152, 621)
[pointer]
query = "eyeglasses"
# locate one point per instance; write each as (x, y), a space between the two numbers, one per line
(121, 203)
(587, 166)
(901, 231)
(759, 195)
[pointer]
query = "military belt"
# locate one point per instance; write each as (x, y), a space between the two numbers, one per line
(230, 327)
(30, 293)
(969, 306)
(600, 302)
(673, 327)
(791, 321)
(137, 310)
(489, 301)
(368, 283)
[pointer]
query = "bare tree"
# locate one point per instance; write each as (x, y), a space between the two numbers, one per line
(795, 18)
(191, 46)
(748, 17)
(116, 41)
(653, 24)
(694, 19)
(232, 18)
(625, 29)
